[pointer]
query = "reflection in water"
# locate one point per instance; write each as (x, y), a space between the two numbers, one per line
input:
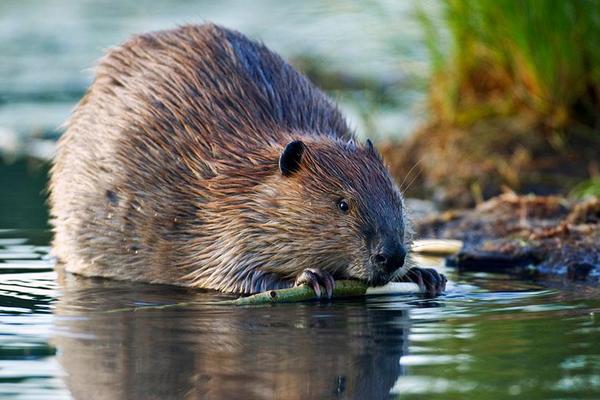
(344, 350)
(490, 337)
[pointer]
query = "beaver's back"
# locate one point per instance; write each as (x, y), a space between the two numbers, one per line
(167, 110)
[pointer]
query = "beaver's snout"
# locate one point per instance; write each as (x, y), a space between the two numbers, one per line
(389, 256)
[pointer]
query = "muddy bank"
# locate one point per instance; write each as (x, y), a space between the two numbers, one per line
(459, 166)
(532, 236)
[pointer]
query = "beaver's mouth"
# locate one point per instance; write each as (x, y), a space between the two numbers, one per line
(379, 279)
(379, 276)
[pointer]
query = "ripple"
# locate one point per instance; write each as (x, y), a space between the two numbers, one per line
(476, 337)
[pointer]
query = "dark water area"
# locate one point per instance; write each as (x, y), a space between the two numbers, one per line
(489, 337)
(23, 198)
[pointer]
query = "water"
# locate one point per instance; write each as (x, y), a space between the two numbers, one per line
(491, 337)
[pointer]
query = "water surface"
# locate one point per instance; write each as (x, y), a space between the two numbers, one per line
(491, 337)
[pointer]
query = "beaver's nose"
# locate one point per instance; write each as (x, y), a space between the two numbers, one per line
(390, 258)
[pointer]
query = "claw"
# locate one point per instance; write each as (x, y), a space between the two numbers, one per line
(316, 278)
(420, 282)
(317, 288)
(441, 286)
(329, 284)
(430, 282)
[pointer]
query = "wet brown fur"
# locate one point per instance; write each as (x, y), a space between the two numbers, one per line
(168, 171)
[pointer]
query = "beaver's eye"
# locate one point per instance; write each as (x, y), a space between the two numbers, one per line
(343, 206)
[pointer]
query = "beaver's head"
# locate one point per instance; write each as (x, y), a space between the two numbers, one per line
(340, 209)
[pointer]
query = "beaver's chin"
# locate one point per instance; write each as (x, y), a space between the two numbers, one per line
(369, 275)
(379, 280)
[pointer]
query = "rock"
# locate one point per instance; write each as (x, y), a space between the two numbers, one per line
(526, 235)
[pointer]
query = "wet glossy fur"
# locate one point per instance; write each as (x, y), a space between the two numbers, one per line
(168, 171)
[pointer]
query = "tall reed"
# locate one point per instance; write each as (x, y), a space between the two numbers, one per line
(540, 57)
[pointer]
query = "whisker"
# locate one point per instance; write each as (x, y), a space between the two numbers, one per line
(409, 172)
(413, 180)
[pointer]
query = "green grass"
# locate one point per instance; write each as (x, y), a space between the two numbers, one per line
(506, 57)
(588, 188)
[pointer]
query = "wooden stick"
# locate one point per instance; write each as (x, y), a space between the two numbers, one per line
(343, 288)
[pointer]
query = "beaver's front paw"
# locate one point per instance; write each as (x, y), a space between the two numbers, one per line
(430, 282)
(315, 278)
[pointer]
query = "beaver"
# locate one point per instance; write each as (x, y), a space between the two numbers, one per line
(200, 158)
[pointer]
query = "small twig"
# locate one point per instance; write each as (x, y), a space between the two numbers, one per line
(299, 293)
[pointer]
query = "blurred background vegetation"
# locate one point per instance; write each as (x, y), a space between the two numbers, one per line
(509, 57)
(514, 101)
(467, 98)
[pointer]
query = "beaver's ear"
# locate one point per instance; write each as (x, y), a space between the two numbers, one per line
(291, 157)
(371, 149)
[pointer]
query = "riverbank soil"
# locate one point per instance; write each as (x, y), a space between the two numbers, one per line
(461, 166)
(532, 236)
